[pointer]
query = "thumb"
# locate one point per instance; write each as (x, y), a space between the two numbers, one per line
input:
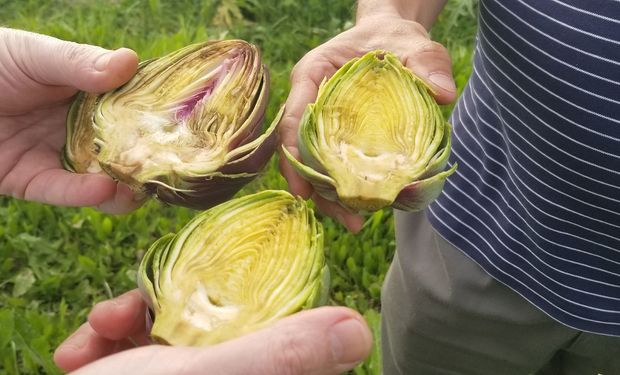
(323, 341)
(431, 61)
(328, 340)
(51, 61)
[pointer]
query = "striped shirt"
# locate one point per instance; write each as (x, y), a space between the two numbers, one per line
(536, 197)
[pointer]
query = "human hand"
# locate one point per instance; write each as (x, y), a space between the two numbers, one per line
(38, 77)
(327, 340)
(407, 39)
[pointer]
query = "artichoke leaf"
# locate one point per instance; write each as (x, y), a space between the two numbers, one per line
(323, 184)
(419, 194)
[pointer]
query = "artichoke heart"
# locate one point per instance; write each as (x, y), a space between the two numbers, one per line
(235, 268)
(186, 128)
(375, 137)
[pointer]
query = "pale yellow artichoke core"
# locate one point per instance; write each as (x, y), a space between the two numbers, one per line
(177, 116)
(373, 126)
(236, 277)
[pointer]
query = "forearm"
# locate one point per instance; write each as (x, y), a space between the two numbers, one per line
(423, 11)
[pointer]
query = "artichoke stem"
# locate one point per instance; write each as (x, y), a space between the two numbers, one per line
(361, 195)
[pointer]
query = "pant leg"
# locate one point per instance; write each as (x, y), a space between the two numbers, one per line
(587, 354)
(442, 314)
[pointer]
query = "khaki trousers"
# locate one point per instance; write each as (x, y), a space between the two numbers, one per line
(442, 314)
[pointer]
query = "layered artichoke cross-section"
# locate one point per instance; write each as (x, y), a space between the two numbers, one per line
(375, 137)
(235, 268)
(186, 128)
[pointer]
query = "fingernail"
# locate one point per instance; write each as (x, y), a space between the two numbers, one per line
(101, 63)
(351, 223)
(349, 341)
(443, 81)
(355, 224)
(77, 341)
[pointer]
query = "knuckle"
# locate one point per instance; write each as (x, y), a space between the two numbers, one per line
(290, 355)
(408, 28)
(299, 74)
(288, 123)
(73, 52)
(400, 29)
(295, 71)
(433, 47)
(310, 64)
(418, 28)
(299, 70)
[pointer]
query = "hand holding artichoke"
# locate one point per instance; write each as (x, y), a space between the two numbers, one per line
(235, 268)
(187, 128)
(375, 137)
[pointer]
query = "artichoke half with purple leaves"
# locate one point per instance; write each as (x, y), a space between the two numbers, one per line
(375, 137)
(187, 128)
(233, 269)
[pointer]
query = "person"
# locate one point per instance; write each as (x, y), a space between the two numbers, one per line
(38, 77)
(515, 268)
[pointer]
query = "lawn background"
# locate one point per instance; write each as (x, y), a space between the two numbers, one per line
(56, 263)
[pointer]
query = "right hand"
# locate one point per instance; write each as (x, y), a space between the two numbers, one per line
(407, 39)
(326, 340)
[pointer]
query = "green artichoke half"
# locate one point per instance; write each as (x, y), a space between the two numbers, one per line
(186, 128)
(375, 137)
(235, 268)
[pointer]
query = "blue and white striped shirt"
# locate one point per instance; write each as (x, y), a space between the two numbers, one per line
(536, 198)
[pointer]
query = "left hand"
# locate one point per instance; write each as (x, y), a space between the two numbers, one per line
(323, 341)
(38, 77)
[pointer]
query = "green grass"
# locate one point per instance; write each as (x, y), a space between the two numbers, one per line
(55, 263)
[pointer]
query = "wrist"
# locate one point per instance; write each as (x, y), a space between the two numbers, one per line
(423, 12)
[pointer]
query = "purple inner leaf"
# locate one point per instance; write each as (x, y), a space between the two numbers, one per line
(187, 107)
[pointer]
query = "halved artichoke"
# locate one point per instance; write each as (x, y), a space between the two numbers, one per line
(186, 128)
(374, 137)
(235, 268)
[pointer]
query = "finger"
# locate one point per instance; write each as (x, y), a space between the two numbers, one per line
(51, 61)
(121, 317)
(328, 340)
(64, 188)
(60, 187)
(297, 185)
(132, 342)
(304, 88)
(83, 347)
(305, 80)
(123, 201)
(354, 223)
(431, 62)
